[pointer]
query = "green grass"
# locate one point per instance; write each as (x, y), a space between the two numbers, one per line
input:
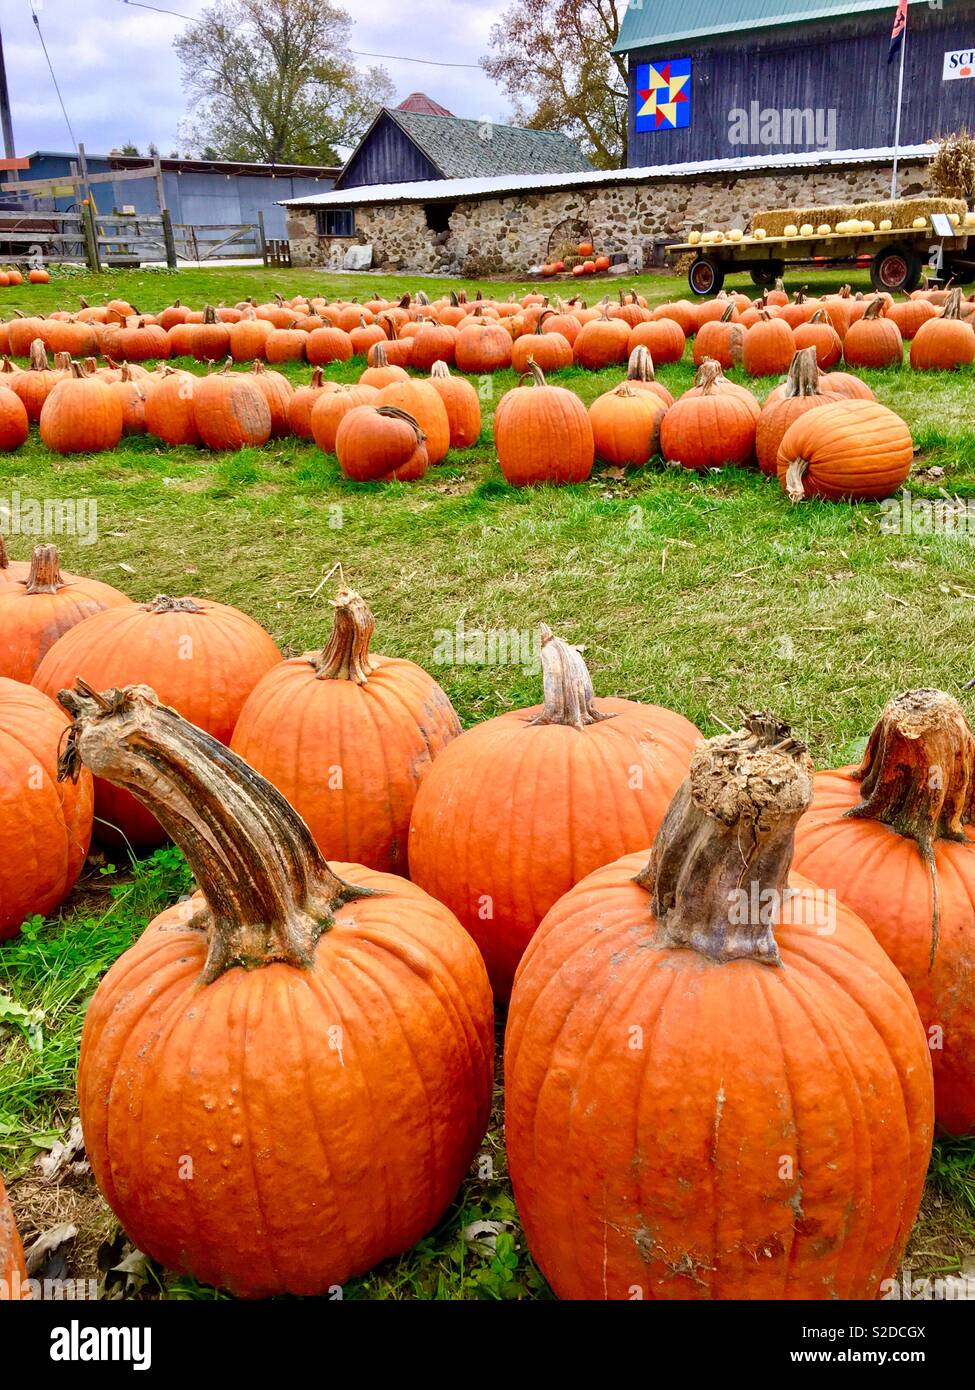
(705, 593)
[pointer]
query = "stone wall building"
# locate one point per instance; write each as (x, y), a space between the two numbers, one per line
(505, 226)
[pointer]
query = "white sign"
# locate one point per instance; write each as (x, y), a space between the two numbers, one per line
(959, 64)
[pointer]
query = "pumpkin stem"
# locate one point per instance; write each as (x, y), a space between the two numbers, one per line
(269, 893)
(726, 843)
(346, 657)
(162, 603)
(795, 473)
(640, 365)
(567, 687)
(952, 305)
(45, 571)
(209, 314)
(440, 370)
(708, 375)
(38, 356)
(803, 378)
(875, 309)
(534, 371)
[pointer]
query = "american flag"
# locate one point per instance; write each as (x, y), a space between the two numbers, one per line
(899, 30)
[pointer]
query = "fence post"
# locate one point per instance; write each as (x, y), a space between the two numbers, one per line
(170, 240)
(91, 238)
(262, 239)
(157, 175)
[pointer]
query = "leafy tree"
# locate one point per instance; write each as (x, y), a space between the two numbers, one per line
(554, 59)
(129, 148)
(273, 81)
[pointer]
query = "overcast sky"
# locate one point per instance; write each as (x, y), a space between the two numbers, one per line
(120, 77)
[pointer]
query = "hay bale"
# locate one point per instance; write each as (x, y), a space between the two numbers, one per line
(901, 213)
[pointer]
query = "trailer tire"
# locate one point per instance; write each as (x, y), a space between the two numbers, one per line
(896, 269)
(706, 276)
(765, 276)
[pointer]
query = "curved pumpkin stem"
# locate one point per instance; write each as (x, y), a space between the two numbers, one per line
(803, 378)
(45, 571)
(875, 309)
(346, 656)
(567, 687)
(38, 356)
(640, 365)
(269, 893)
(918, 777)
(794, 485)
(952, 305)
(730, 831)
(709, 375)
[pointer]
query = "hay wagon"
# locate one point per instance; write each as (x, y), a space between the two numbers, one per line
(887, 236)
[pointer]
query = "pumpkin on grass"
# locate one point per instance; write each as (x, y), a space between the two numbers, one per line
(803, 391)
(769, 346)
(893, 838)
(551, 351)
(664, 338)
(712, 424)
(36, 611)
(277, 392)
(203, 658)
(316, 1040)
(601, 342)
(519, 808)
(381, 443)
(81, 415)
(303, 718)
(303, 402)
(626, 426)
(231, 411)
(721, 338)
(327, 412)
(542, 434)
(13, 1274)
(944, 344)
(45, 826)
(482, 348)
(708, 1096)
(34, 385)
(461, 404)
(874, 340)
(381, 372)
(419, 399)
(845, 451)
(819, 333)
(169, 408)
(14, 424)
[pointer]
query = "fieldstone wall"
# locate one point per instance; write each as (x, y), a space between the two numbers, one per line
(509, 235)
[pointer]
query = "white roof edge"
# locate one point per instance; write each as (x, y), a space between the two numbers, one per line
(430, 190)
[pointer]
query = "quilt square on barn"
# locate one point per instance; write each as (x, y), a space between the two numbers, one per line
(663, 95)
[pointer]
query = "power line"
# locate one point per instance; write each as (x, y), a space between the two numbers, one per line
(64, 110)
(359, 53)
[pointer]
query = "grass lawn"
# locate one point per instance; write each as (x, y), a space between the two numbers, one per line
(707, 593)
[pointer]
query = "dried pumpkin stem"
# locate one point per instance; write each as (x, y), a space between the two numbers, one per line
(568, 695)
(269, 893)
(346, 656)
(727, 838)
(162, 603)
(640, 365)
(708, 375)
(803, 378)
(45, 571)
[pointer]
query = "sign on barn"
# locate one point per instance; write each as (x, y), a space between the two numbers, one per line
(663, 95)
(960, 63)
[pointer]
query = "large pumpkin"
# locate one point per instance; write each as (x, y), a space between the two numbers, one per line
(45, 826)
(347, 737)
(874, 340)
(710, 1094)
(461, 403)
(14, 424)
(848, 450)
(711, 425)
(381, 443)
(893, 838)
(626, 425)
(35, 612)
(542, 434)
(944, 344)
(803, 391)
(285, 1079)
(482, 347)
(13, 1274)
(601, 342)
(769, 346)
(419, 399)
(81, 415)
(519, 808)
(203, 658)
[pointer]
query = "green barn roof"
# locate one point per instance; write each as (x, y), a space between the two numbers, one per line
(665, 21)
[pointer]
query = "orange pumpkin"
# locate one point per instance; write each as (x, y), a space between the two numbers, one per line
(910, 315)
(303, 402)
(802, 392)
(722, 338)
(231, 411)
(769, 346)
(277, 392)
(169, 408)
(626, 426)
(712, 425)
(601, 342)
(398, 1061)
(482, 348)
(423, 403)
(14, 424)
(327, 412)
(381, 443)
(845, 451)
(542, 434)
(81, 415)
(944, 344)
(300, 721)
(13, 1274)
(433, 342)
(326, 345)
(132, 393)
(766, 1085)
(461, 404)
(381, 372)
(35, 385)
(285, 345)
(820, 334)
(664, 339)
(874, 340)
(575, 781)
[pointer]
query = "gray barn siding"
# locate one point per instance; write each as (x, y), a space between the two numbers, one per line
(386, 156)
(842, 65)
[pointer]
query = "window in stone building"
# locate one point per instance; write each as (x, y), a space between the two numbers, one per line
(438, 216)
(336, 222)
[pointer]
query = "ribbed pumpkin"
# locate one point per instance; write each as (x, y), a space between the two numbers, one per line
(231, 411)
(482, 348)
(207, 341)
(944, 344)
(845, 451)
(285, 345)
(707, 1095)
(136, 341)
(14, 424)
(626, 426)
(277, 392)
(76, 339)
(326, 345)
(846, 386)
(34, 385)
(893, 839)
(202, 658)
(910, 315)
(169, 408)
(419, 399)
(433, 342)
(327, 413)
(820, 334)
(36, 611)
(22, 332)
(802, 392)
(663, 337)
(542, 434)
(380, 371)
(640, 375)
(712, 425)
(874, 340)
(381, 444)
(461, 404)
(45, 826)
(347, 737)
(720, 338)
(248, 337)
(316, 1040)
(601, 342)
(303, 402)
(81, 415)
(519, 808)
(681, 312)
(12, 1270)
(551, 351)
(769, 346)
(131, 392)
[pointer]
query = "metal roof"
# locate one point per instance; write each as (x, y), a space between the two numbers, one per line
(452, 190)
(419, 101)
(197, 166)
(461, 148)
(666, 21)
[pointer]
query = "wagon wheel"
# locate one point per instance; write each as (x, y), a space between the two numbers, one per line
(706, 276)
(564, 239)
(896, 268)
(766, 275)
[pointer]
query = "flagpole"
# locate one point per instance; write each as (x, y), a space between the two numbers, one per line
(900, 98)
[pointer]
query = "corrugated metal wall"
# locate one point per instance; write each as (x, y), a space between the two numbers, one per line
(840, 67)
(387, 156)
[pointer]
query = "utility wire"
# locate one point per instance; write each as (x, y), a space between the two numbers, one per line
(359, 53)
(64, 111)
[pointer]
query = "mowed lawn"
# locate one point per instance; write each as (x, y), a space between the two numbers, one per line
(707, 593)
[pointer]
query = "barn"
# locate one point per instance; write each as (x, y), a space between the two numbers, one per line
(718, 79)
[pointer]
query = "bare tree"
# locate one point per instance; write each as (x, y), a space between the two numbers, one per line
(554, 59)
(274, 81)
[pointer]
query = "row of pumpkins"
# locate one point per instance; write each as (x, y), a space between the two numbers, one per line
(704, 1097)
(848, 225)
